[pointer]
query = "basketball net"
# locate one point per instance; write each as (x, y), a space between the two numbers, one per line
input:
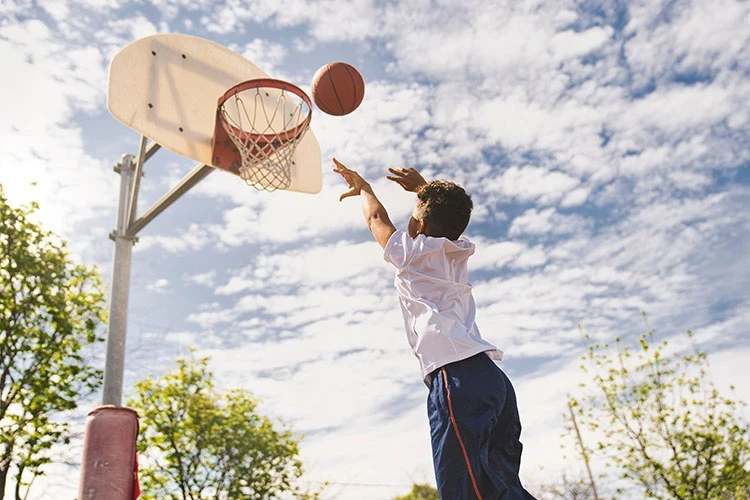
(266, 119)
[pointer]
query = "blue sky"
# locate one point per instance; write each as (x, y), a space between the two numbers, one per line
(605, 145)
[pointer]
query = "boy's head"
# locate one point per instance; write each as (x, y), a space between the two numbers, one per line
(443, 210)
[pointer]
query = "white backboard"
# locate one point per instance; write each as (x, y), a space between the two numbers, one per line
(166, 87)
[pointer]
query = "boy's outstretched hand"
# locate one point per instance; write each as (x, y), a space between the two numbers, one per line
(408, 178)
(355, 181)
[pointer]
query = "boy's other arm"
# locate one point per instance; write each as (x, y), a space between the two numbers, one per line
(375, 214)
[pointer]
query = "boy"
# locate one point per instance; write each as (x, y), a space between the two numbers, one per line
(474, 423)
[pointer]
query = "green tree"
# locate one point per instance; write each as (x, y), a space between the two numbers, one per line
(662, 423)
(421, 492)
(196, 443)
(50, 310)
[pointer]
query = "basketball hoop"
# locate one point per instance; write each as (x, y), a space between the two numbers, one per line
(265, 119)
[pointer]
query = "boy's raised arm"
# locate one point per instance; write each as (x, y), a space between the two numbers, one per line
(374, 212)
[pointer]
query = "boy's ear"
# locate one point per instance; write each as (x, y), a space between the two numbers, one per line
(422, 227)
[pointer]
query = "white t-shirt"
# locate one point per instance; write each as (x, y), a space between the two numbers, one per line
(432, 281)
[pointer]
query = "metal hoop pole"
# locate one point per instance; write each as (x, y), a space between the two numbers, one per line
(114, 365)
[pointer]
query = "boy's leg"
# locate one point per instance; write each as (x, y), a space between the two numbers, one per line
(465, 406)
(504, 457)
(458, 469)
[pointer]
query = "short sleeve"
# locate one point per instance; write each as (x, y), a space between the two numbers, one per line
(398, 249)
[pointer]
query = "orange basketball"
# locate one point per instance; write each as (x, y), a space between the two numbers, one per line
(338, 88)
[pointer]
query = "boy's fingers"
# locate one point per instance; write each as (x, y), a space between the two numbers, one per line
(339, 164)
(346, 175)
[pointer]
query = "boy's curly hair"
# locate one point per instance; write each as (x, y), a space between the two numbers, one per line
(447, 208)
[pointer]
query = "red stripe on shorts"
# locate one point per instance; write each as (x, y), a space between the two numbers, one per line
(458, 435)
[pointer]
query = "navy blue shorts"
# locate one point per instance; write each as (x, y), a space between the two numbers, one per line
(476, 431)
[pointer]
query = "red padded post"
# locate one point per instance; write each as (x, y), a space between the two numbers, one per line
(108, 468)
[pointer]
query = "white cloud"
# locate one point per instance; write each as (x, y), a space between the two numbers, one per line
(159, 286)
(58, 10)
(528, 183)
(190, 239)
(696, 36)
(568, 44)
(203, 279)
(210, 319)
(677, 109)
(491, 255)
(267, 56)
(575, 198)
(129, 30)
(548, 222)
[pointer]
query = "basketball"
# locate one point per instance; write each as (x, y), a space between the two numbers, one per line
(338, 88)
